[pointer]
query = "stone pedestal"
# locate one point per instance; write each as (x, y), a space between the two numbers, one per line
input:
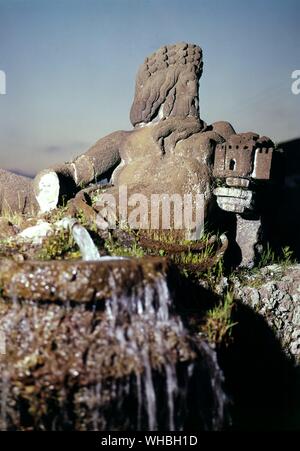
(248, 237)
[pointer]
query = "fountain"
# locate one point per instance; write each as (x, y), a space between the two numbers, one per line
(116, 358)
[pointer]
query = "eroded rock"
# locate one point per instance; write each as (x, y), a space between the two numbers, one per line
(248, 238)
(16, 194)
(112, 341)
(274, 292)
(78, 281)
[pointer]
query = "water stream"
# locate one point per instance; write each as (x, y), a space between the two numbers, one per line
(82, 238)
(130, 365)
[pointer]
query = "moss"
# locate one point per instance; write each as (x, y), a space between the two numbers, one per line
(257, 282)
(166, 236)
(58, 246)
(85, 221)
(192, 258)
(57, 214)
(191, 255)
(132, 249)
(248, 277)
(195, 259)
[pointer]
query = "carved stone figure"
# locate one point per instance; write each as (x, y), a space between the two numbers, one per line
(170, 150)
(243, 163)
(243, 159)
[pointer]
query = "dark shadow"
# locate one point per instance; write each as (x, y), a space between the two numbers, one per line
(219, 222)
(262, 383)
(281, 203)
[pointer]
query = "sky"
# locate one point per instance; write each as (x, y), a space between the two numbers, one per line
(71, 65)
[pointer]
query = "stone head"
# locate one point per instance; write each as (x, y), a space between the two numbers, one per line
(167, 84)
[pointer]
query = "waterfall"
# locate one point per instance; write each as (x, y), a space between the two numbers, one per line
(127, 363)
(148, 317)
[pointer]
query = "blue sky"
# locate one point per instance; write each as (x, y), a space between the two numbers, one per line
(71, 67)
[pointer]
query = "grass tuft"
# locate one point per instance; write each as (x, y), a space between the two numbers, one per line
(218, 322)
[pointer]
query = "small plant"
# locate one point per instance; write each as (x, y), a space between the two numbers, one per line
(56, 215)
(287, 256)
(269, 257)
(84, 221)
(12, 217)
(192, 258)
(114, 247)
(214, 273)
(218, 182)
(218, 322)
(58, 246)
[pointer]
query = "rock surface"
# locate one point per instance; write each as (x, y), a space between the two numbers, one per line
(274, 292)
(109, 354)
(248, 238)
(16, 194)
(78, 281)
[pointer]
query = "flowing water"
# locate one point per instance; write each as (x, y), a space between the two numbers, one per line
(83, 239)
(129, 365)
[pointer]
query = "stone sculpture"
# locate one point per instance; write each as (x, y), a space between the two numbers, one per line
(242, 159)
(170, 150)
(244, 163)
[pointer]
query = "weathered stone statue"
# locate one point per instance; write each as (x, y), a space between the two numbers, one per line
(170, 150)
(243, 164)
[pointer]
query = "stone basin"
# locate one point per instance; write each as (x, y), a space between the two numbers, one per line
(78, 281)
(99, 346)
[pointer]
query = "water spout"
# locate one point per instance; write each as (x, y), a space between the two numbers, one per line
(82, 238)
(89, 252)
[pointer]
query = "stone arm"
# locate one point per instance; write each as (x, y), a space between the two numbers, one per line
(53, 184)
